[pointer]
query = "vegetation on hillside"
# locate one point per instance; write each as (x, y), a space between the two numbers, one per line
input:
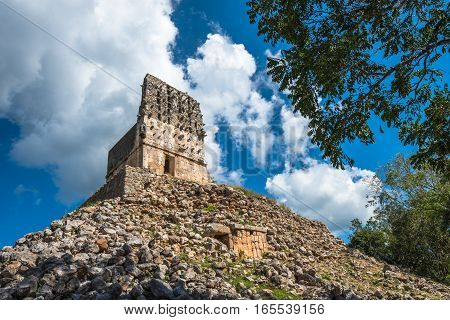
(411, 225)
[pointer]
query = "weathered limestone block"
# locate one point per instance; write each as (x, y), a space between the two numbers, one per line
(217, 229)
(248, 240)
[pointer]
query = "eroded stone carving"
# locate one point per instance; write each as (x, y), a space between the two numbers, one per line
(169, 128)
(162, 102)
(250, 241)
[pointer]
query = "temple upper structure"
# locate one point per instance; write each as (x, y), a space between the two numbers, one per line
(168, 137)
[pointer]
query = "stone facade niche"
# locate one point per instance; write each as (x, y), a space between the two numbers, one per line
(249, 241)
(168, 137)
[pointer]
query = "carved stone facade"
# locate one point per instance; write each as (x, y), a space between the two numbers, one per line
(168, 137)
(248, 240)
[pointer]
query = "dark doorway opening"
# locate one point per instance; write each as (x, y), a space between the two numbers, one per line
(169, 165)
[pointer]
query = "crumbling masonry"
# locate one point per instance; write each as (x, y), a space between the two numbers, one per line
(168, 138)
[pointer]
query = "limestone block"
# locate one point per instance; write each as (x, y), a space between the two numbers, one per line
(249, 240)
(217, 229)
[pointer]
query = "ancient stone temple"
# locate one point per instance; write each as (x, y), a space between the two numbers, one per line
(168, 137)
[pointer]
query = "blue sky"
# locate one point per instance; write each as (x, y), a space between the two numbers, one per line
(59, 114)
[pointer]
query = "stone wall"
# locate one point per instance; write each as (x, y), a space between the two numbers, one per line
(246, 240)
(122, 183)
(184, 168)
(137, 180)
(127, 181)
(122, 150)
(113, 188)
(162, 102)
(156, 244)
(168, 137)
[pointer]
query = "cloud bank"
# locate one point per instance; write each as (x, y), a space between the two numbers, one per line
(317, 190)
(70, 112)
(337, 196)
(221, 75)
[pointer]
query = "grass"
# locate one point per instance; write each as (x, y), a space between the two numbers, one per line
(244, 281)
(151, 232)
(89, 203)
(325, 276)
(281, 294)
(247, 192)
(247, 222)
(284, 206)
(377, 282)
(183, 256)
(209, 208)
(177, 227)
(206, 263)
(277, 293)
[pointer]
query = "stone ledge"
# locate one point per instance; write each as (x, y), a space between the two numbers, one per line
(237, 226)
(217, 229)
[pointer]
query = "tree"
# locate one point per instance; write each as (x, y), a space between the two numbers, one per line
(345, 61)
(411, 224)
(371, 240)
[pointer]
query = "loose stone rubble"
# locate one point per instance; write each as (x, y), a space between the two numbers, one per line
(161, 243)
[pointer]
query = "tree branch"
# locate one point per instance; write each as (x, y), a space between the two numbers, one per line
(407, 62)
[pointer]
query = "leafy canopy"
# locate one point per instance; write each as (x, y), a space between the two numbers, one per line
(411, 225)
(346, 60)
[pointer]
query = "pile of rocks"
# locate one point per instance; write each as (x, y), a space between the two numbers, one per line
(157, 244)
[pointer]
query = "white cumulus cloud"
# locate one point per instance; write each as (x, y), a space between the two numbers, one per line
(221, 74)
(318, 190)
(295, 129)
(69, 111)
(335, 196)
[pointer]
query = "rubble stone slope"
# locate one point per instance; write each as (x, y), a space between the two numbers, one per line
(157, 244)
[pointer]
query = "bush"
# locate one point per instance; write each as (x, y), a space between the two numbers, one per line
(411, 225)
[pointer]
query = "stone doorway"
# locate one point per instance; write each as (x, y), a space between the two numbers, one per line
(169, 165)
